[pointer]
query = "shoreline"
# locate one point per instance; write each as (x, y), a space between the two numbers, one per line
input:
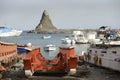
(58, 31)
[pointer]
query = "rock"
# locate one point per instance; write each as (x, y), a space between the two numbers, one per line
(45, 23)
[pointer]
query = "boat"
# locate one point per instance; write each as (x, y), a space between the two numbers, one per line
(22, 48)
(102, 31)
(46, 37)
(79, 37)
(67, 40)
(105, 53)
(92, 37)
(6, 32)
(8, 56)
(50, 47)
(118, 32)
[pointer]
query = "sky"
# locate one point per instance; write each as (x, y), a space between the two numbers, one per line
(65, 14)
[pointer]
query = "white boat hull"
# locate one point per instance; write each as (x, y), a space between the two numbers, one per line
(46, 37)
(50, 47)
(10, 34)
(81, 41)
(68, 41)
(79, 37)
(108, 57)
(65, 41)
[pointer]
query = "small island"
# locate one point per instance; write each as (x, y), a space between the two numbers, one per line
(46, 26)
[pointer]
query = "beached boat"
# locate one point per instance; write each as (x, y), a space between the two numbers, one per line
(6, 32)
(105, 53)
(79, 37)
(22, 48)
(50, 47)
(8, 56)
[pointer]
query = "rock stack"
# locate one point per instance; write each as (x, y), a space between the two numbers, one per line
(45, 24)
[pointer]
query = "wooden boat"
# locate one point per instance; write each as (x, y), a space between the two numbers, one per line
(8, 55)
(22, 48)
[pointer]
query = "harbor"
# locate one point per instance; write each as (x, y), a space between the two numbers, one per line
(91, 70)
(59, 40)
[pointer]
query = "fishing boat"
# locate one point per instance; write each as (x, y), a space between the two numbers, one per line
(50, 47)
(79, 37)
(6, 32)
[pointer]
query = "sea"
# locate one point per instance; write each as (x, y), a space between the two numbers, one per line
(37, 40)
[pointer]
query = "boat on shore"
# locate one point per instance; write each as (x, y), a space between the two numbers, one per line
(6, 32)
(105, 53)
(8, 56)
(22, 48)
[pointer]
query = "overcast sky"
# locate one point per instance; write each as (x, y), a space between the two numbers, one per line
(82, 14)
